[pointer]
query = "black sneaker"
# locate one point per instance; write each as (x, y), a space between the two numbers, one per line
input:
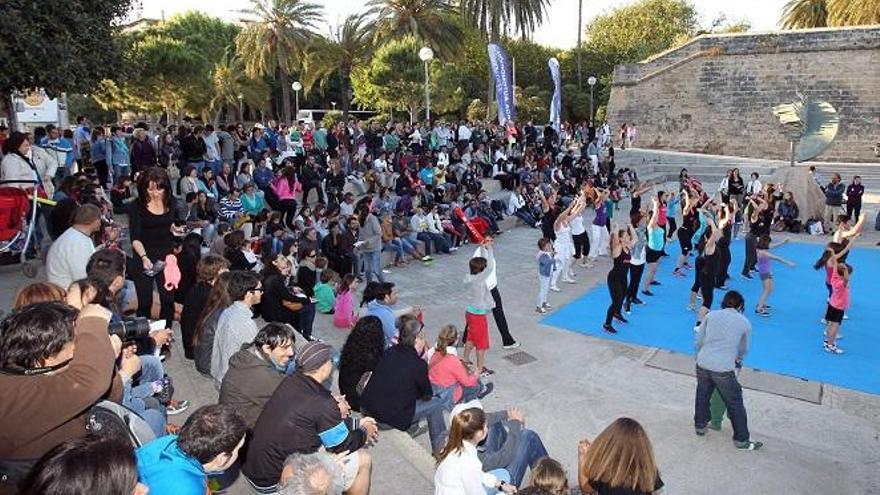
(609, 329)
(655, 282)
(487, 389)
(747, 275)
(636, 300)
(749, 445)
(619, 317)
(647, 293)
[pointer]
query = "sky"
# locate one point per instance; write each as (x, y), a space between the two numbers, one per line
(559, 31)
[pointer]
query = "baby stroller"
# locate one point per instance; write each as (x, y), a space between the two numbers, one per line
(18, 220)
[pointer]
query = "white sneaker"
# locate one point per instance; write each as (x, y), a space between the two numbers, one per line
(832, 349)
(547, 306)
(570, 281)
(386, 271)
(555, 289)
(453, 249)
(540, 310)
(511, 346)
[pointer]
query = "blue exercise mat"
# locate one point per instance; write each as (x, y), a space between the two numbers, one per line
(789, 342)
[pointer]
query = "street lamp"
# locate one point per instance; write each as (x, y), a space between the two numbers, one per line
(297, 86)
(592, 82)
(334, 105)
(426, 54)
(241, 107)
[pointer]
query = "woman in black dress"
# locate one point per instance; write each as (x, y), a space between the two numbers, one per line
(151, 226)
(285, 304)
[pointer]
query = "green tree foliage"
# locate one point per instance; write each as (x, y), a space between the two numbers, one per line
(61, 46)
(636, 31)
(275, 40)
(431, 22)
(497, 18)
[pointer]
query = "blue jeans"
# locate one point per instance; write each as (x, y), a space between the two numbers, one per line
(502, 475)
(394, 246)
(432, 410)
(529, 449)
(731, 393)
(438, 241)
(373, 265)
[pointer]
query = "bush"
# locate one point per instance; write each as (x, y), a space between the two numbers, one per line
(331, 118)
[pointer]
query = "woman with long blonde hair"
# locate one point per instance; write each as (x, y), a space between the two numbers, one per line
(459, 470)
(620, 459)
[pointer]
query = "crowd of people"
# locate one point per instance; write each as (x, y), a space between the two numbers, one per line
(204, 230)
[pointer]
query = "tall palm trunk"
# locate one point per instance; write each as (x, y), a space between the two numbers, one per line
(580, 29)
(285, 96)
(346, 103)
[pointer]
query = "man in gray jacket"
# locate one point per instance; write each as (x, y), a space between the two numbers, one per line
(370, 243)
(236, 325)
(256, 371)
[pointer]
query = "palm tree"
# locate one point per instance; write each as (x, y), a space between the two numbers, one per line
(495, 18)
(429, 21)
(580, 30)
(853, 12)
(799, 14)
(229, 81)
(351, 45)
(275, 38)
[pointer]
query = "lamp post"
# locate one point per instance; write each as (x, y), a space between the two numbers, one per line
(241, 107)
(334, 105)
(297, 86)
(426, 54)
(592, 82)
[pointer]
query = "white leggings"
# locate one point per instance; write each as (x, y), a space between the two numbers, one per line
(598, 241)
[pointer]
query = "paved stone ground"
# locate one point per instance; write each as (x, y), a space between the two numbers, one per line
(579, 384)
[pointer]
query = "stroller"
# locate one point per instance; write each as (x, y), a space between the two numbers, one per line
(18, 224)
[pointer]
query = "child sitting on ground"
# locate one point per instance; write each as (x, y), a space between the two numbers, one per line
(324, 292)
(344, 313)
(480, 302)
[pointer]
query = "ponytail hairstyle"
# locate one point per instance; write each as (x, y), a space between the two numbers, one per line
(447, 337)
(831, 249)
(465, 426)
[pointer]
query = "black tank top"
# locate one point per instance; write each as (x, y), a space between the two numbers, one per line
(621, 265)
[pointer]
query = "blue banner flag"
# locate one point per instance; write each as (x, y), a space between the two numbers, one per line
(500, 65)
(556, 102)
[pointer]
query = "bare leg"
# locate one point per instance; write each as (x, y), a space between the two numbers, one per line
(765, 293)
(361, 484)
(481, 360)
(652, 270)
(468, 347)
(831, 332)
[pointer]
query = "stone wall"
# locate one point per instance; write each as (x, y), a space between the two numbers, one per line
(715, 93)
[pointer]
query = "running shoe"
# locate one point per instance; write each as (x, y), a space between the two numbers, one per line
(487, 372)
(453, 249)
(609, 329)
(386, 271)
(514, 345)
(655, 282)
(547, 306)
(647, 293)
(747, 276)
(555, 289)
(619, 317)
(541, 310)
(426, 258)
(636, 300)
(627, 308)
(749, 445)
(762, 312)
(832, 349)
(487, 389)
(177, 407)
(692, 308)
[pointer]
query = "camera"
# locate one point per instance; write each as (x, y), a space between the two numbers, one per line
(130, 329)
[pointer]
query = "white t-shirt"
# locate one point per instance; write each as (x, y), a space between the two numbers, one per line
(68, 257)
(577, 225)
(492, 279)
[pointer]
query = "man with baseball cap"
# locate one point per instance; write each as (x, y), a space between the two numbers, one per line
(303, 417)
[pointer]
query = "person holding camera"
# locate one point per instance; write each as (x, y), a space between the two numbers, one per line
(55, 364)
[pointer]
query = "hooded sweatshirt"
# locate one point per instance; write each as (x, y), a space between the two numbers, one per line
(164, 468)
(249, 382)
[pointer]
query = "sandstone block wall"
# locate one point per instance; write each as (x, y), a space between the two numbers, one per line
(715, 93)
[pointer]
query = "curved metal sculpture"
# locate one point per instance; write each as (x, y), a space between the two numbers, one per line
(811, 126)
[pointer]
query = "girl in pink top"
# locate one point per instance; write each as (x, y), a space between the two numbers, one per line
(839, 300)
(446, 370)
(344, 314)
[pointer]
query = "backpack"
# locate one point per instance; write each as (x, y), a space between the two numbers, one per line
(112, 420)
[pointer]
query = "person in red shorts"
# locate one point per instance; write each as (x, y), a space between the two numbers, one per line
(480, 302)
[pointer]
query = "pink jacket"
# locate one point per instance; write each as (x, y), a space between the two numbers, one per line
(344, 315)
(839, 292)
(447, 370)
(282, 188)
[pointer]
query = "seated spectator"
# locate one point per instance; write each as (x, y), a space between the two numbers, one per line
(302, 417)
(208, 443)
(36, 342)
(68, 255)
(256, 371)
(324, 291)
(447, 371)
(313, 474)
(236, 252)
(236, 326)
(285, 303)
(207, 271)
(344, 314)
(509, 444)
(399, 393)
(620, 460)
(547, 478)
(252, 200)
(88, 465)
(427, 232)
(206, 325)
(38, 292)
(379, 297)
(362, 350)
(459, 470)
(787, 214)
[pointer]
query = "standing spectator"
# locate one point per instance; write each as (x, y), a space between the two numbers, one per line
(236, 324)
(399, 392)
(722, 342)
(69, 254)
(192, 147)
(212, 149)
(208, 443)
(98, 155)
(143, 154)
(833, 199)
(256, 371)
(302, 417)
(370, 241)
(119, 154)
(854, 193)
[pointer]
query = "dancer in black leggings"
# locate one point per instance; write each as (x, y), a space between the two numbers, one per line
(759, 225)
(724, 247)
(707, 263)
(638, 257)
(621, 244)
